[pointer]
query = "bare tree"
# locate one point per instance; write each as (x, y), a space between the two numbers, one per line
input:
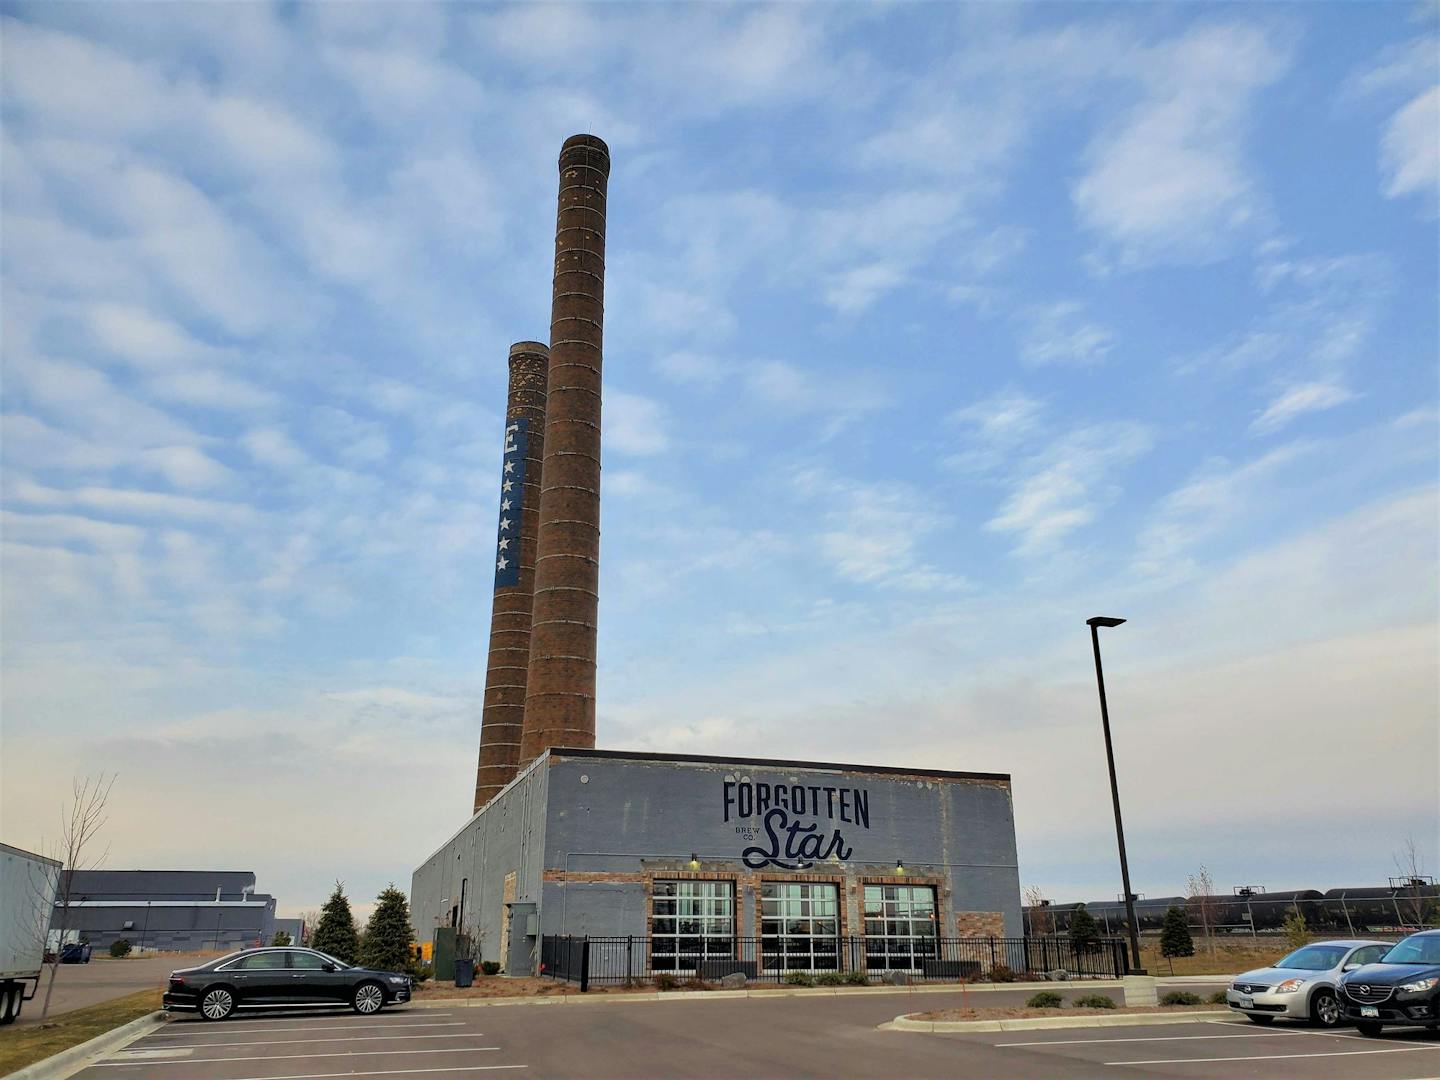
(1200, 887)
(1038, 913)
(1413, 883)
(80, 824)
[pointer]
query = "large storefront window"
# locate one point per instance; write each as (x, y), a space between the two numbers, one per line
(899, 926)
(800, 926)
(692, 920)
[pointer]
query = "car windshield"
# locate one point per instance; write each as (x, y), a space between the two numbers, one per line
(1420, 949)
(1313, 958)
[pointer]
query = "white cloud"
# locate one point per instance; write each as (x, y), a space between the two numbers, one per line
(1065, 485)
(693, 369)
(1304, 398)
(634, 424)
(133, 503)
(1060, 333)
(855, 289)
(1410, 149)
(1169, 180)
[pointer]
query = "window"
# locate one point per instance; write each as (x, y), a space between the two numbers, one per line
(900, 926)
(265, 961)
(307, 961)
(691, 920)
(1368, 955)
(800, 926)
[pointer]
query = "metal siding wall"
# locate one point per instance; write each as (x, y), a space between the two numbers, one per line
(507, 835)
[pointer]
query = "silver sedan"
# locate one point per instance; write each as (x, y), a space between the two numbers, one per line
(1301, 986)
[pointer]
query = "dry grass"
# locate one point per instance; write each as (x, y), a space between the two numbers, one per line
(1020, 1012)
(497, 986)
(22, 1044)
(1230, 958)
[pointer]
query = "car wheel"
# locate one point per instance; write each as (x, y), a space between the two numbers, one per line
(1254, 1019)
(1325, 1010)
(217, 1003)
(1369, 1029)
(368, 998)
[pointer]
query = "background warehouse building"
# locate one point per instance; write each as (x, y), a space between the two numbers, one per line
(715, 856)
(170, 910)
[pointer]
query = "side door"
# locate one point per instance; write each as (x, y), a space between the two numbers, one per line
(259, 978)
(312, 982)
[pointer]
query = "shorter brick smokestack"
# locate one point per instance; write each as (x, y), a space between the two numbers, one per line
(503, 719)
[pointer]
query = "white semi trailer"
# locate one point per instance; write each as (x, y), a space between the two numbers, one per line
(27, 901)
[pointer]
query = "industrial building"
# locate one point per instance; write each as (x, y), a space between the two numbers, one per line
(168, 910)
(689, 855)
(695, 853)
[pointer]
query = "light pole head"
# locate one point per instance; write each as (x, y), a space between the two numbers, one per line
(1103, 620)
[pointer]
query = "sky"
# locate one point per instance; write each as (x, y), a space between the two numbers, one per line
(931, 331)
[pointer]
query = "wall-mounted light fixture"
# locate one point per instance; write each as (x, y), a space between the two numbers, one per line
(899, 868)
(694, 861)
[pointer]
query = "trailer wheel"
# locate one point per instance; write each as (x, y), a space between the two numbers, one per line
(10, 998)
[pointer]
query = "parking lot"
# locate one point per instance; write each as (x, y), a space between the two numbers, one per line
(780, 1037)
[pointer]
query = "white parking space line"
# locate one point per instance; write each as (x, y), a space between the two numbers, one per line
(210, 1029)
(1148, 1038)
(1325, 1034)
(386, 1072)
(353, 1038)
(113, 1064)
(1273, 1057)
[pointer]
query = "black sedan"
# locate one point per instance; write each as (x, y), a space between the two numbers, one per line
(281, 979)
(1402, 988)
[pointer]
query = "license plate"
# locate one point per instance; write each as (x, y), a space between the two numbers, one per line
(1369, 1010)
(1246, 1002)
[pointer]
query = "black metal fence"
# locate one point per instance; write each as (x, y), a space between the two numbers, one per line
(624, 960)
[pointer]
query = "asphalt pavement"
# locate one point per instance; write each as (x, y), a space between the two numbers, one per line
(789, 1037)
(79, 985)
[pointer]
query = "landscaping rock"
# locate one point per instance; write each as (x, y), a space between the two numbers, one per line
(1058, 975)
(734, 981)
(898, 978)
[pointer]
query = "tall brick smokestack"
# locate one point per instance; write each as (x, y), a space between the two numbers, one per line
(502, 720)
(560, 694)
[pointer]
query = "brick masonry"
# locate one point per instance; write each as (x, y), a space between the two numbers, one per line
(979, 924)
(507, 670)
(560, 694)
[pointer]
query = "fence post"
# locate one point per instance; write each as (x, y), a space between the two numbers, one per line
(629, 958)
(585, 964)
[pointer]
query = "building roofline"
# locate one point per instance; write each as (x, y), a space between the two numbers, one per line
(782, 763)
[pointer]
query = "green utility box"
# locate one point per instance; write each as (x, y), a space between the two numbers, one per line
(443, 956)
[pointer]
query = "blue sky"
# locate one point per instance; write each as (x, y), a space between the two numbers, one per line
(931, 331)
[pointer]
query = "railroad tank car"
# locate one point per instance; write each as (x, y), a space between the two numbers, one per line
(1367, 908)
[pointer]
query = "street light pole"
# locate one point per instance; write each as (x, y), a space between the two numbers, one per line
(1095, 625)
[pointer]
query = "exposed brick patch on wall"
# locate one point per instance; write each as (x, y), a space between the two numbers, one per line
(979, 924)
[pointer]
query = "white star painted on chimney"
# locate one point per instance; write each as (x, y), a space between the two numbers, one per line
(502, 563)
(504, 504)
(507, 485)
(509, 466)
(504, 544)
(504, 524)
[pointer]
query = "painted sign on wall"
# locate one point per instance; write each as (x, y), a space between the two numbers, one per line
(794, 826)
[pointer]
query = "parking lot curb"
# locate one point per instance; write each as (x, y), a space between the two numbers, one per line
(1046, 1023)
(779, 991)
(68, 1062)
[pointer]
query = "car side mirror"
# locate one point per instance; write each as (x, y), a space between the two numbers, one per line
(327, 967)
(1351, 967)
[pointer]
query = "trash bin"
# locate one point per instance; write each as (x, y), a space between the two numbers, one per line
(464, 972)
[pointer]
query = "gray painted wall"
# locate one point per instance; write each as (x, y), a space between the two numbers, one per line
(506, 836)
(576, 815)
